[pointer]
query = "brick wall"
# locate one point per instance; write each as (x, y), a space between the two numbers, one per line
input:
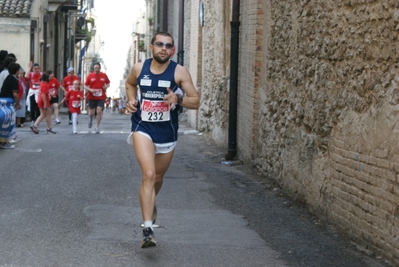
(250, 71)
(193, 53)
(327, 111)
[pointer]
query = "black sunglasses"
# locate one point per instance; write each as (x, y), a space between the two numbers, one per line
(162, 44)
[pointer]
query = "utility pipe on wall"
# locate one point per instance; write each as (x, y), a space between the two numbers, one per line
(235, 30)
(180, 49)
(165, 16)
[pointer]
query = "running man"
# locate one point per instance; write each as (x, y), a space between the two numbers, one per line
(162, 84)
(96, 85)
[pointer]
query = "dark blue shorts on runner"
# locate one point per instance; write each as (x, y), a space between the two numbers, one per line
(96, 103)
(54, 100)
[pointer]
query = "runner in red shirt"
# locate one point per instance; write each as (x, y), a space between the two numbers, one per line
(33, 93)
(67, 83)
(96, 85)
(43, 103)
(54, 87)
(74, 98)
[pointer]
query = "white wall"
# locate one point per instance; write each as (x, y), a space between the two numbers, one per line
(16, 33)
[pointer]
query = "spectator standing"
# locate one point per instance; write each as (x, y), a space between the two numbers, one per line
(120, 104)
(3, 55)
(67, 83)
(96, 85)
(21, 113)
(33, 92)
(10, 89)
(114, 105)
(4, 72)
(55, 86)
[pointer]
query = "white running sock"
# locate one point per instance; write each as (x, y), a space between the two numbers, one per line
(74, 120)
(148, 224)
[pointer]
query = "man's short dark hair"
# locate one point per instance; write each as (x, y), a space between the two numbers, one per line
(12, 55)
(13, 68)
(3, 55)
(8, 61)
(163, 34)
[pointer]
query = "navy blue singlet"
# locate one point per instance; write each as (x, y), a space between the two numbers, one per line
(153, 87)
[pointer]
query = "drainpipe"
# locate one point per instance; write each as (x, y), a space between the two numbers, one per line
(66, 43)
(165, 16)
(180, 54)
(56, 49)
(46, 19)
(235, 25)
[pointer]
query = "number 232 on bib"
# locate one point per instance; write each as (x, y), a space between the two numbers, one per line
(155, 111)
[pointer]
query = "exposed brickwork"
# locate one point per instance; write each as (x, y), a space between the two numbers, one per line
(248, 78)
(327, 112)
(192, 54)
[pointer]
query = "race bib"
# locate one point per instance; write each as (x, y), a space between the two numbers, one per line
(76, 103)
(97, 92)
(70, 87)
(52, 91)
(155, 111)
(165, 84)
(35, 86)
(145, 82)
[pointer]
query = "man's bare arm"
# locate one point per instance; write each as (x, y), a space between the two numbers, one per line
(131, 87)
(183, 78)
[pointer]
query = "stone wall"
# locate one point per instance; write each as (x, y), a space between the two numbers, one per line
(317, 105)
(328, 111)
(212, 114)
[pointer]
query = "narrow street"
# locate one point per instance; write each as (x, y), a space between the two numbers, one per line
(72, 200)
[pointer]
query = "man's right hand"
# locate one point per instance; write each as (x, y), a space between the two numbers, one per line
(131, 106)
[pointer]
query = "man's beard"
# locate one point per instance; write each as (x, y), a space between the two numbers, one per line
(161, 60)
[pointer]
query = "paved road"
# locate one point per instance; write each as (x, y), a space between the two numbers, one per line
(71, 200)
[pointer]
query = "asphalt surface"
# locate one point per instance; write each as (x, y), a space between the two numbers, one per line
(72, 200)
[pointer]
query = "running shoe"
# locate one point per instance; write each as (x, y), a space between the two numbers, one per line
(70, 123)
(97, 130)
(75, 132)
(154, 215)
(50, 131)
(90, 123)
(34, 129)
(6, 145)
(57, 121)
(148, 238)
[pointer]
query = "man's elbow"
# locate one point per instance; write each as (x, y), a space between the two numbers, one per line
(197, 103)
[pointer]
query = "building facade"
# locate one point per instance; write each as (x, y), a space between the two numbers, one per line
(51, 33)
(316, 104)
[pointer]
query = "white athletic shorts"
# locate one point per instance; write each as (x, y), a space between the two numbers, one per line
(159, 148)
